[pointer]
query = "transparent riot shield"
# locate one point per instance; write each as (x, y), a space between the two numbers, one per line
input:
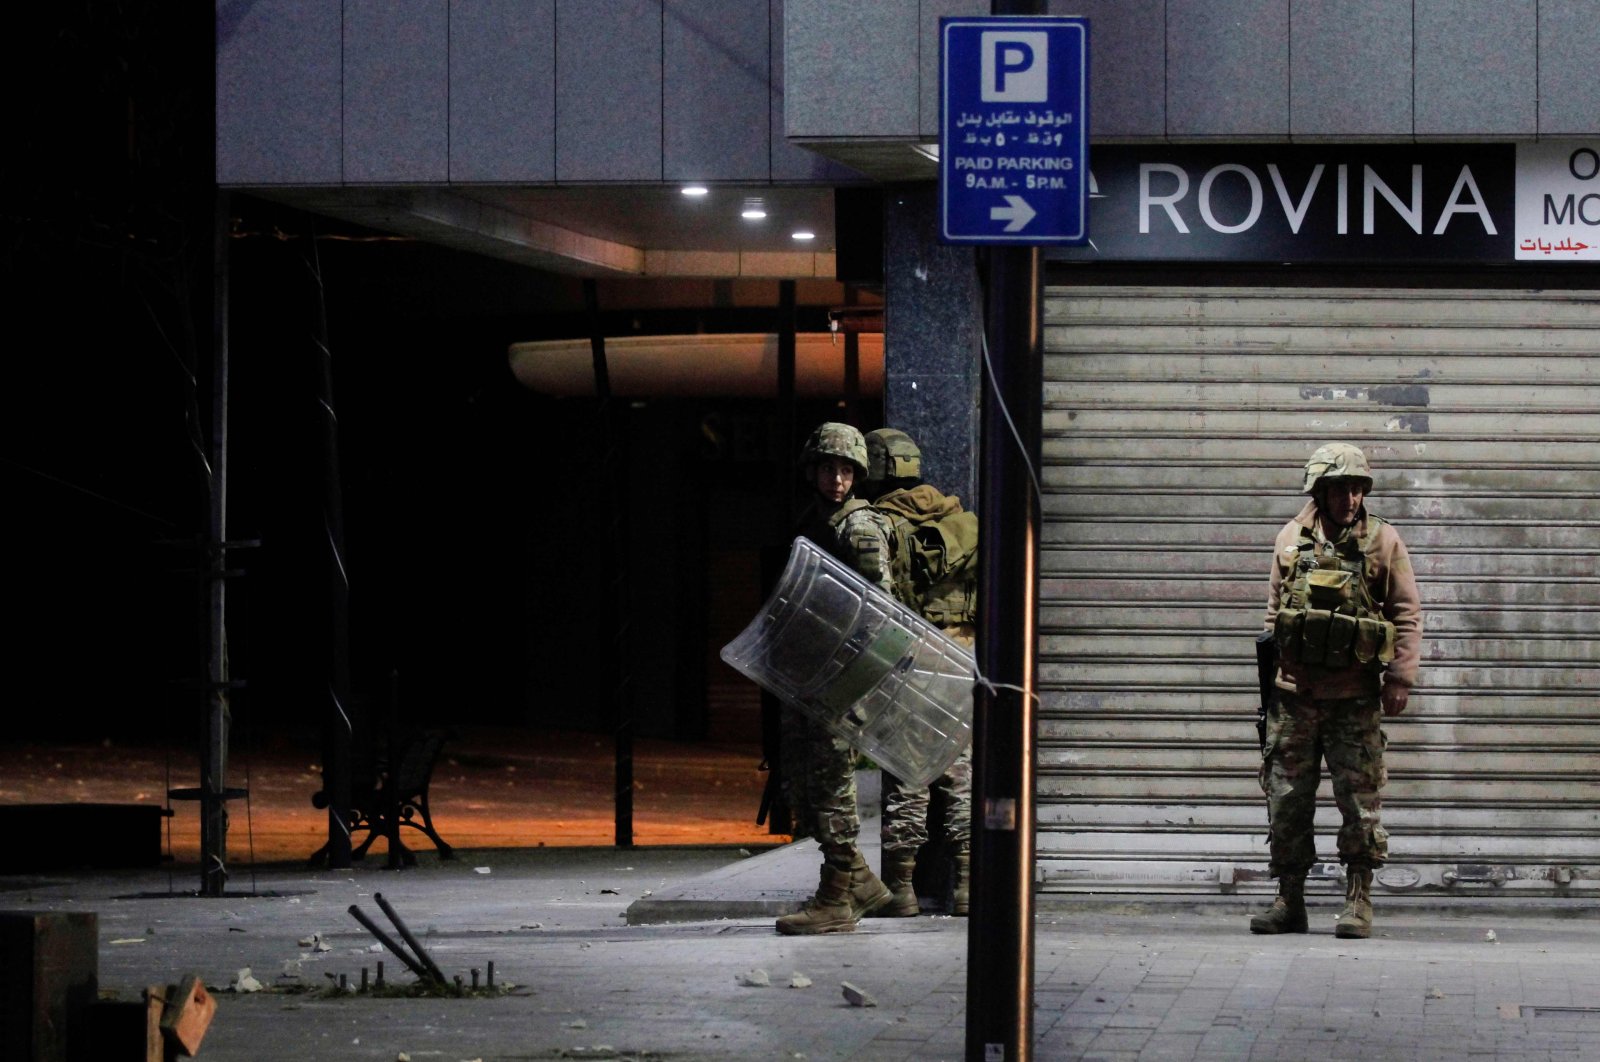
(865, 666)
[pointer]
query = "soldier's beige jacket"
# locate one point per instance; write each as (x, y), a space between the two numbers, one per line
(1393, 585)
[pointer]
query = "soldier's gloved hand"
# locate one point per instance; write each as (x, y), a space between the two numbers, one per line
(1394, 698)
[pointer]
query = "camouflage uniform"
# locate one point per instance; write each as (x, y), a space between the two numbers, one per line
(869, 540)
(1348, 731)
(819, 775)
(1334, 710)
(819, 778)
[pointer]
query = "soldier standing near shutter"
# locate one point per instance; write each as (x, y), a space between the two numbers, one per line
(920, 547)
(1347, 620)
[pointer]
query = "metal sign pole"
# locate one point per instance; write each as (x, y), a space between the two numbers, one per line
(1000, 953)
(1000, 934)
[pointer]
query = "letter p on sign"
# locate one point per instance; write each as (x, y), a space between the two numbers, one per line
(1015, 67)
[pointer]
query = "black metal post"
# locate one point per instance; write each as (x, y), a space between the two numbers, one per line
(614, 477)
(339, 726)
(1000, 933)
(214, 764)
(786, 367)
(392, 795)
(415, 966)
(406, 935)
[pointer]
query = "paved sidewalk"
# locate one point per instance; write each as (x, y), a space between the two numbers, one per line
(568, 926)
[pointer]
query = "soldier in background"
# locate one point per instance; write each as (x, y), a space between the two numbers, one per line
(1347, 622)
(819, 779)
(920, 547)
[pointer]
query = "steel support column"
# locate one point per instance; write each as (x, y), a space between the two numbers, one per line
(613, 443)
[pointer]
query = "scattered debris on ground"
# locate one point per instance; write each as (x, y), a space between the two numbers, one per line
(855, 996)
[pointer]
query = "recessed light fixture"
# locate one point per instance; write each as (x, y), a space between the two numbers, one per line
(694, 191)
(803, 234)
(754, 209)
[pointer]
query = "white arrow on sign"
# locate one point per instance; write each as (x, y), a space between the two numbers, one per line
(1019, 213)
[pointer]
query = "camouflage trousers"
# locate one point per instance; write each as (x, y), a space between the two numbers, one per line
(905, 808)
(819, 780)
(1301, 732)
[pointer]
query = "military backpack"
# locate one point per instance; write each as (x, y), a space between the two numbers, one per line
(935, 554)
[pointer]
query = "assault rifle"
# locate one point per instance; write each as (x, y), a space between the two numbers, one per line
(1266, 671)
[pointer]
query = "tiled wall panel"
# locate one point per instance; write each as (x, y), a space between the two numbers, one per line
(1476, 68)
(856, 66)
(1228, 68)
(1350, 68)
(715, 98)
(396, 91)
(278, 81)
(1127, 65)
(502, 90)
(608, 91)
(1569, 67)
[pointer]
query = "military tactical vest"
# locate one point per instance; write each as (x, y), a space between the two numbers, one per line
(1326, 614)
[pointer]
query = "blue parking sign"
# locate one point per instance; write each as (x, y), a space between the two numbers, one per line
(1014, 130)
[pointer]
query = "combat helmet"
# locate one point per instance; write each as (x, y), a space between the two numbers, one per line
(832, 439)
(1337, 461)
(892, 454)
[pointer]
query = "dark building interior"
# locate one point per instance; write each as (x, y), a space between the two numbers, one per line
(480, 520)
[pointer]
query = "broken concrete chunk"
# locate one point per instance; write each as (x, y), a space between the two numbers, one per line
(754, 978)
(799, 980)
(855, 996)
(245, 981)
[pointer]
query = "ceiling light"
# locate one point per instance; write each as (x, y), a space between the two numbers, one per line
(803, 234)
(694, 190)
(754, 209)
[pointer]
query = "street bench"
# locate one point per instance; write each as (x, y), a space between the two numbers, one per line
(389, 799)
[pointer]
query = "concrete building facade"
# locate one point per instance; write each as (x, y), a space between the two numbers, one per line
(1376, 221)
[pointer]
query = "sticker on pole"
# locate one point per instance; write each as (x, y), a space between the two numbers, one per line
(1014, 130)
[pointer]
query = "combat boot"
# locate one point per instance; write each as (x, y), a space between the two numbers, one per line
(1288, 912)
(960, 883)
(867, 892)
(899, 865)
(1355, 921)
(848, 891)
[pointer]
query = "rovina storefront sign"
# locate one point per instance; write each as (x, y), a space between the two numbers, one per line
(1330, 203)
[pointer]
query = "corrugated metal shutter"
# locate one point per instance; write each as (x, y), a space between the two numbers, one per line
(1175, 425)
